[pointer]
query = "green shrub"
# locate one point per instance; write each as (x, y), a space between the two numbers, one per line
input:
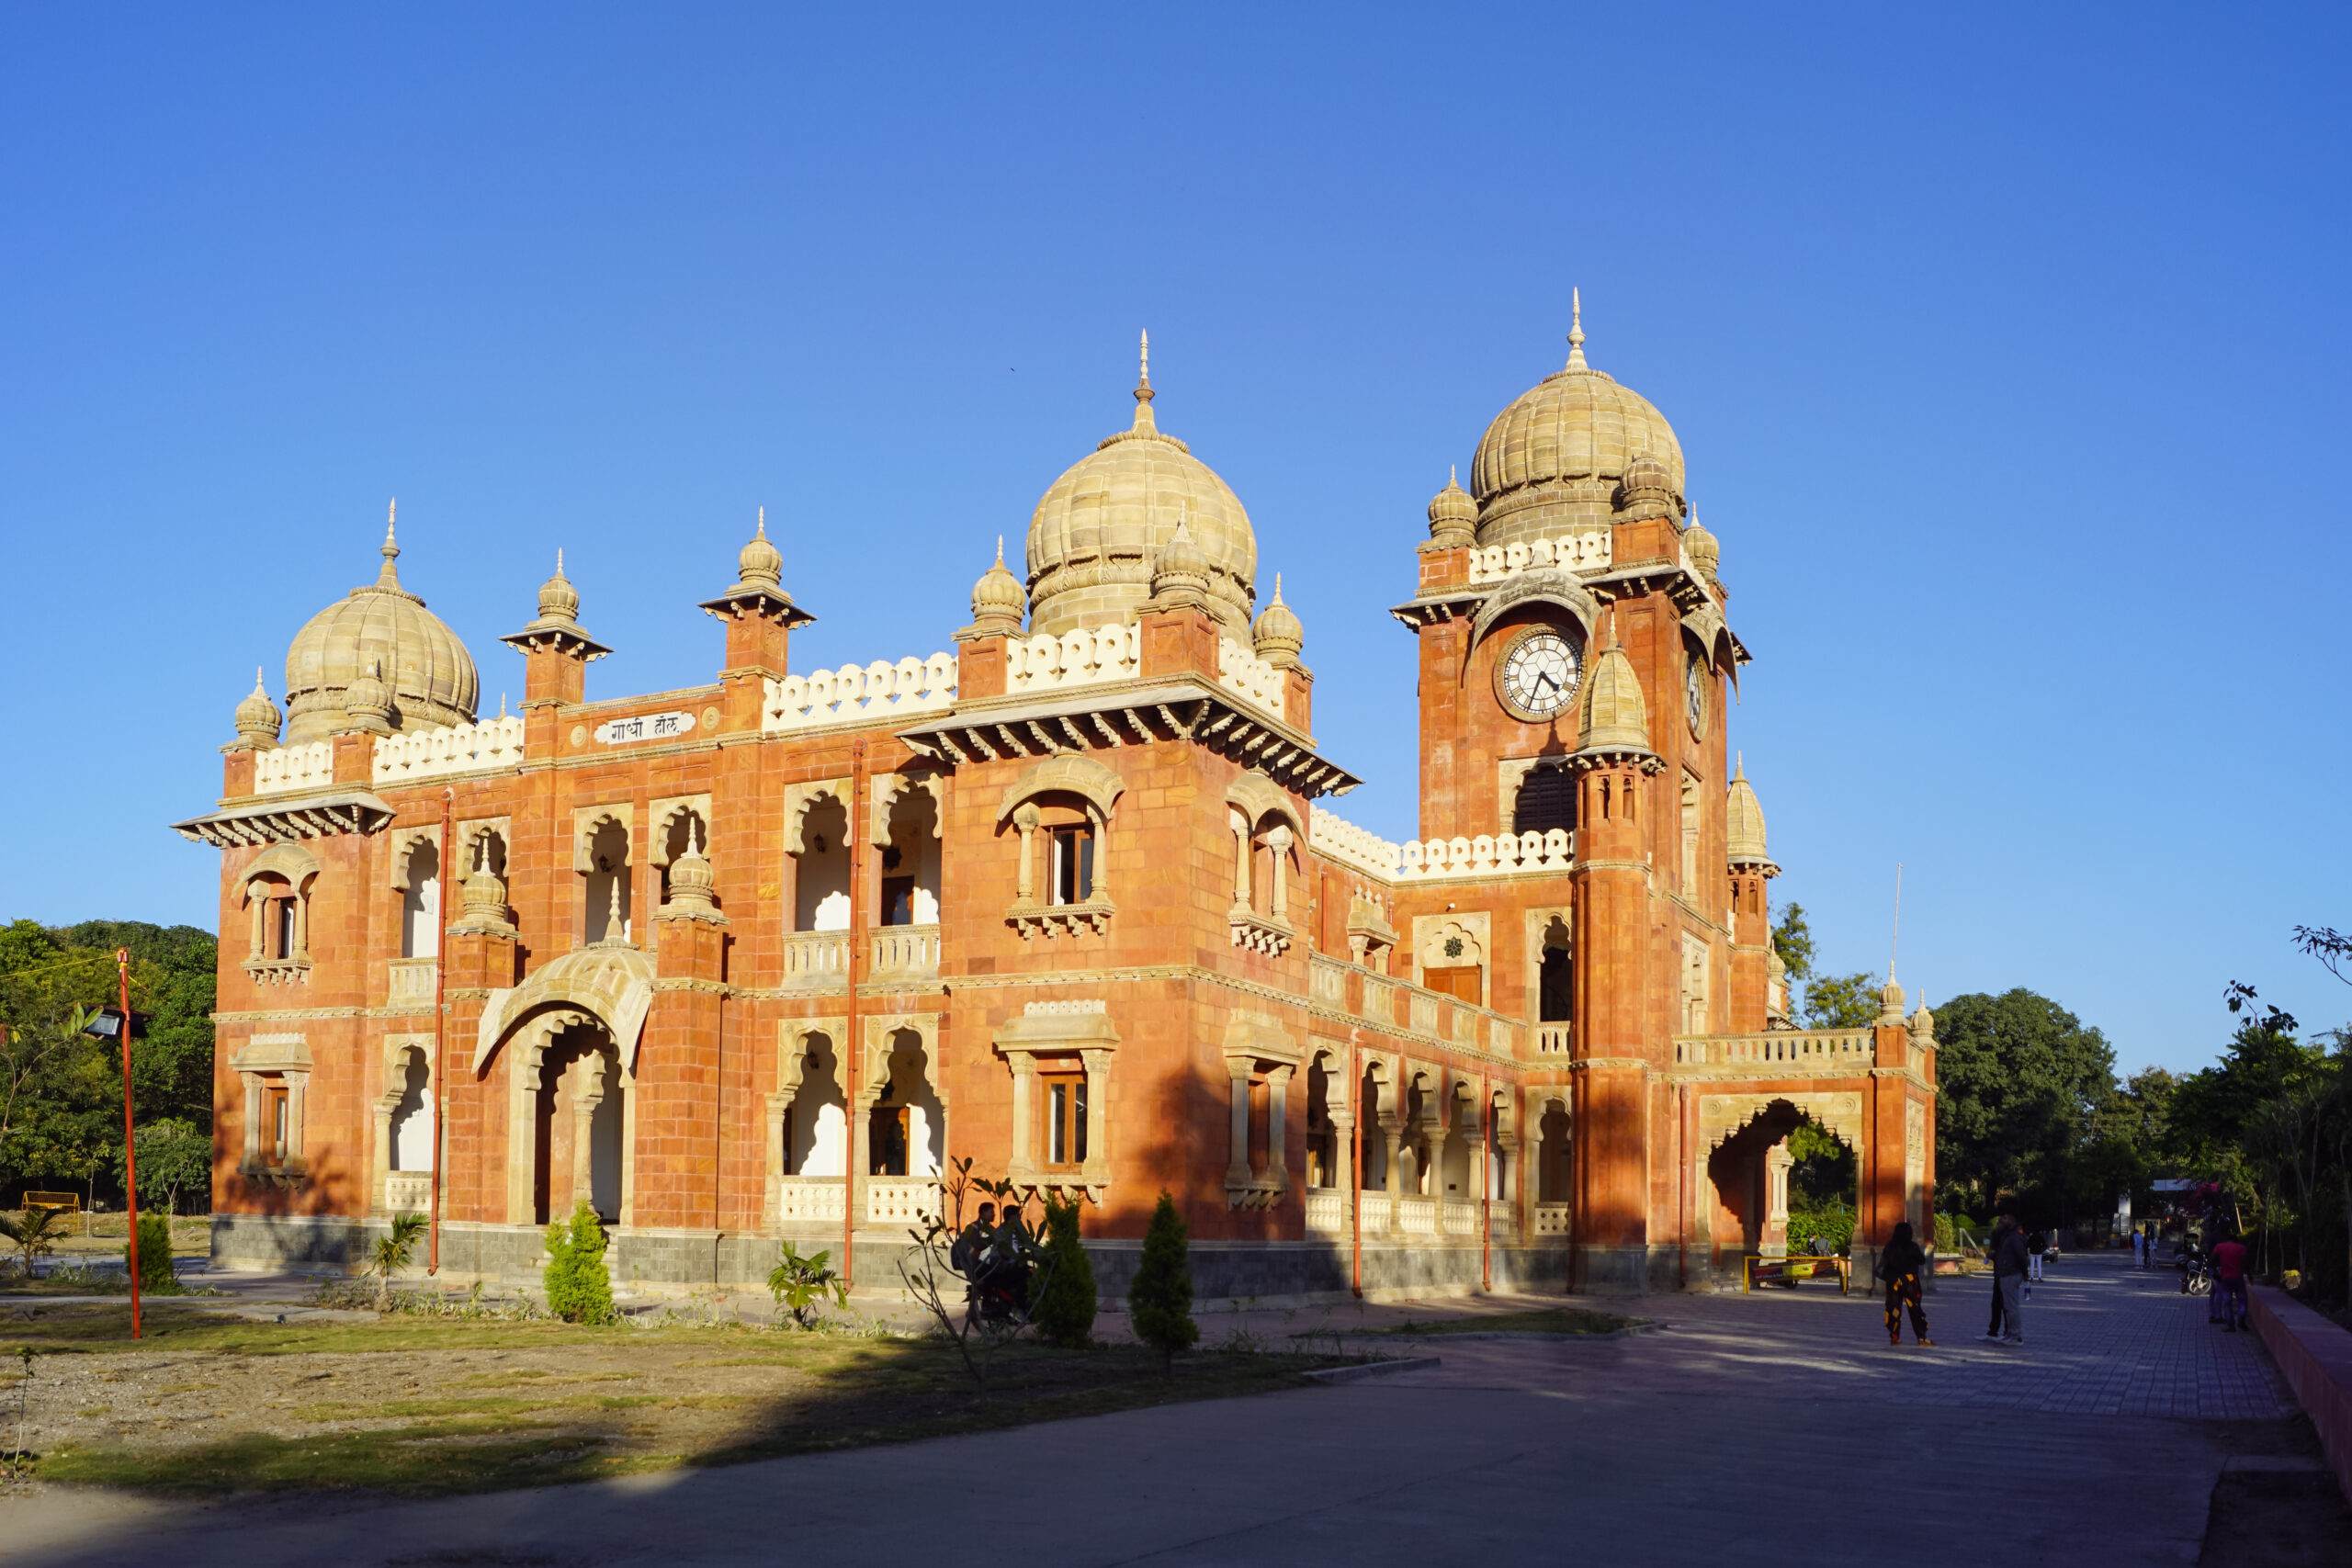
(579, 1287)
(1946, 1235)
(1160, 1301)
(156, 1276)
(800, 1284)
(1065, 1314)
(1834, 1224)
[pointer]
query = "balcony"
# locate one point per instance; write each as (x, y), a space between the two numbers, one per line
(897, 955)
(1550, 1039)
(408, 1191)
(412, 982)
(896, 1202)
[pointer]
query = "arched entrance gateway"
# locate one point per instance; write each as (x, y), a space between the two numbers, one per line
(1067, 899)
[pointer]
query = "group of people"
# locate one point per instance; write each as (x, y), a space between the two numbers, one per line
(994, 1255)
(2016, 1263)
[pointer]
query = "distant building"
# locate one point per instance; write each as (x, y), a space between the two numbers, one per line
(1108, 935)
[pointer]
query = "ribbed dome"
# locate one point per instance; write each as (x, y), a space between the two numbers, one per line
(1453, 516)
(1093, 535)
(1744, 824)
(997, 593)
(1555, 455)
(429, 671)
(257, 717)
(1277, 634)
(1615, 718)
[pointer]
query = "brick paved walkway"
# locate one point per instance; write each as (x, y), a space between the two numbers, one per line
(1776, 1429)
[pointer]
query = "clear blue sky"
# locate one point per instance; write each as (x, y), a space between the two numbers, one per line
(2007, 347)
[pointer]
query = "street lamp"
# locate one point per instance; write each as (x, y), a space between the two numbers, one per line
(122, 1026)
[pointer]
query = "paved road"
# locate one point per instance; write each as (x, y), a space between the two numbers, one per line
(1775, 1428)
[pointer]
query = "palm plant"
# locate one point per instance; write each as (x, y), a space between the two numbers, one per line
(391, 1252)
(31, 1233)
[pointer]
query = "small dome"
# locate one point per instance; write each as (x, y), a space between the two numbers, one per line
(1647, 490)
(1555, 456)
(1097, 530)
(558, 599)
(1615, 718)
(431, 675)
(760, 565)
(1744, 824)
(1277, 634)
(997, 593)
(257, 717)
(1889, 1002)
(1706, 553)
(1922, 1025)
(1453, 516)
(368, 701)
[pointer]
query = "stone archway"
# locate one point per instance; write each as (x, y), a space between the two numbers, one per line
(1745, 1142)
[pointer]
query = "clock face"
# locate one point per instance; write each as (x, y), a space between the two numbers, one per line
(1694, 696)
(1537, 678)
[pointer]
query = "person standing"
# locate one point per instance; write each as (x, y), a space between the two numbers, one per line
(1900, 1265)
(2034, 1246)
(2139, 1249)
(2008, 1250)
(2229, 1282)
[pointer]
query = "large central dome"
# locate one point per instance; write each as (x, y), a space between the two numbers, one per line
(1093, 535)
(1555, 455)
(380, 629)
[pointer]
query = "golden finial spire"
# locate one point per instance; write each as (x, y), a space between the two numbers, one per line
(1000, 549)
(763, 524)
(388, 578)
(1576, 330)
(259, 690)
(1278, 587)
(1142, 375)
(558, 560)
(1453, 475)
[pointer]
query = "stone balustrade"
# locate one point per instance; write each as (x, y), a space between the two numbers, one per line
(898, 1202)
(408, 1191)
(897, 953)
(285, 768)
(1240, 670)
(1786, 1052)
(880, 692)
(1505, 854)
(1326, 1209)
(412, 982)
(1085, 657)
(454, 748)
(1592, 550)
(1552, 1039)
(808, 1200)
(1373, 1207)
(1551, 1219)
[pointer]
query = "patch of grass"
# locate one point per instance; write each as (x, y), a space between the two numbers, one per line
(413, 1462)
(436, 1409)
(1542, 1320)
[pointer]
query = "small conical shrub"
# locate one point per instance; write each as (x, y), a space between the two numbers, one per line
(580, 1288)
(157, 1277)
(1160, 1301)
(1066, 1316)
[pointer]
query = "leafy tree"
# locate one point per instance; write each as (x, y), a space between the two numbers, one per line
(173, 1158)
(32, 1233)
(1792, 939)
(1841, 1001)
(1065, 1311)
(1823, 1171)
(1160, 1299)
(579, 1287)
(2019, 1078)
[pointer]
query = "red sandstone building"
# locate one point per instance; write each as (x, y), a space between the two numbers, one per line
(731, 962)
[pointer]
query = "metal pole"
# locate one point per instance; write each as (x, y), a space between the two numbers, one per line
(130, 1143)
(848, 1047)
(440, 1026)
(1486, 1186)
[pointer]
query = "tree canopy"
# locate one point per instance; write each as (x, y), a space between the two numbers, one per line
(2020, 1083)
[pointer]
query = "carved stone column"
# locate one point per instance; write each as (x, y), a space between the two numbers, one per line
(1026, 819)
(1237, 1163)
(1240, 827)
(1097, 1166)
(1278, 1128)
(588, 1079)
(1278, 843)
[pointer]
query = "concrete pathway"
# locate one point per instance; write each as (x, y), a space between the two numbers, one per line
(1764, 1429)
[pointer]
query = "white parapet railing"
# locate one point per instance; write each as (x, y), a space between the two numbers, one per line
(905, 950)
(1417, 1216)
(1084, 658)
(1551, 1219)
(1359, 849)
(1552, 1039)
(1239, 669)
(412, 982)
(1373, 1208)
(1792, 1051)
(1592, 550)
(408, 1191)
(286, 768)
(808, 1200)
(814, 958)
(1461, 1216)
(452, 749)
(880, 691)
(1505, 854)
(1326, 1209)
(904, 1202)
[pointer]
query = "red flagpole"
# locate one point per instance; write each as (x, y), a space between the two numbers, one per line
(130, 1144)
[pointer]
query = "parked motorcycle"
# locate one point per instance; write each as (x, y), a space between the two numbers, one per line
(2195, 1272)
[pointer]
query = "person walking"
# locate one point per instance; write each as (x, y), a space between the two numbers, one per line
(1900, 1265)
(2034, 1246)
(2229, 1282)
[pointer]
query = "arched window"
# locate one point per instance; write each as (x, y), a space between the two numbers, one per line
(421, 900)
(608, 883)
(1555, 988)
(278, 898)
(1547, 800)
(1061, 809)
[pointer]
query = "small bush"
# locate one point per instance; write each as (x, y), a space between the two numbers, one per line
(1834, 1224)
(579, 1288)
(1065, 1314)
(1159, 1302)
(156, 1276)
(801, 1284)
